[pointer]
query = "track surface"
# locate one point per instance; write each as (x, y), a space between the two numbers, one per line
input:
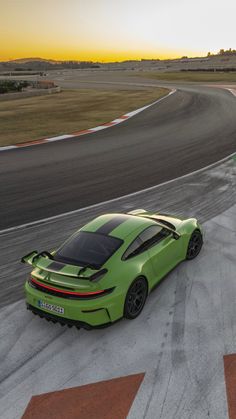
(191, 129)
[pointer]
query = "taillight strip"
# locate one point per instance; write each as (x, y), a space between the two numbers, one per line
(66, 292)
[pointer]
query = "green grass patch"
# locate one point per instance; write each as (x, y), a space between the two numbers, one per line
(191, 76)
(29, 119)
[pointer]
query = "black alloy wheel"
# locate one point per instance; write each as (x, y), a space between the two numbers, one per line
(194, 245)
(135, 298)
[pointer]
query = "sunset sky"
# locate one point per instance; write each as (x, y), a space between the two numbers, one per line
(108, 30)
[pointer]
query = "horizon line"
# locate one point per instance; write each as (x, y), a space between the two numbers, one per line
(104, 61)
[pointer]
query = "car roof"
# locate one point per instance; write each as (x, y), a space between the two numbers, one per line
(118, 225)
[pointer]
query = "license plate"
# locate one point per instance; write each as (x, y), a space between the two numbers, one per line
(50, 307)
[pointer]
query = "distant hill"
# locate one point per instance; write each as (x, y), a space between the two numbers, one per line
(224, 60)
(42, 64)
(25, 60)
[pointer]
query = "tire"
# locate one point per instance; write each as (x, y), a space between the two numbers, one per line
(135, 298)
(194, 245)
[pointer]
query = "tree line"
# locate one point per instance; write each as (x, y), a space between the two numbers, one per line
(223, 52)
(7, 86)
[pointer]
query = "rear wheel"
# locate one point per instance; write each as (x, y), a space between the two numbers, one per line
(194, 245)
(135, 298)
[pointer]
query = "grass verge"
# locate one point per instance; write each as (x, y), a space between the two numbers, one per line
(191, 76)
(29, 119)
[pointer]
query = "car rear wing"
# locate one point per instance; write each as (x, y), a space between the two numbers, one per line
(44, 260)
(29, 257)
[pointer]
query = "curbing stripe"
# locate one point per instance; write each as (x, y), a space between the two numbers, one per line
(60, 137)
(127, 115)
(8, 147)
(118, 120)
(87, 131)
(29, 143)
(99, 128)
(109, 124)
(84, 131)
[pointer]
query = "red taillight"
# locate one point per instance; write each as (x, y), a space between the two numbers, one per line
(81, 294)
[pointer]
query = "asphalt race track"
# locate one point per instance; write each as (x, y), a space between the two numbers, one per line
(188, 323)
(190, 129)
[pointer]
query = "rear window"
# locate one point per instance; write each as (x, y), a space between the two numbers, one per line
(87, 248)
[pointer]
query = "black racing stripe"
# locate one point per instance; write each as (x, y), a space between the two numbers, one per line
(112, 224)
(56, 266)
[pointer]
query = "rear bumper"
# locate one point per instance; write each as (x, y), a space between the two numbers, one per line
(99, 312)
(64, 321)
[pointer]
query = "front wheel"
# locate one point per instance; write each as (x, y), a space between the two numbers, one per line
(135, 298)
(194, 245)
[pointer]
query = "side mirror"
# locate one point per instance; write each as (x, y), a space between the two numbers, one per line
(176, 236)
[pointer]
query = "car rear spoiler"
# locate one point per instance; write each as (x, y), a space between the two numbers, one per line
(44, 260)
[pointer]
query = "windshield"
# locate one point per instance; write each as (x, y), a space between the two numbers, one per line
(88, 249)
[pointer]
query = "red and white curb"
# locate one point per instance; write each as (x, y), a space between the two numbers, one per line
(87, 131)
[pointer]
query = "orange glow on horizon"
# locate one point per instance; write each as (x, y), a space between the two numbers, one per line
(117, 30)
(94, 56)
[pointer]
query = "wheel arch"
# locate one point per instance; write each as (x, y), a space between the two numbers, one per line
(189, 226)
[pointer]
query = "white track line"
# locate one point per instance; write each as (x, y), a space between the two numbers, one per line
(66, 214)
(116, 121)
(60, 137)
(233, 91)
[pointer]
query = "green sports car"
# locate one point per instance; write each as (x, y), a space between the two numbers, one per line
(106, 270)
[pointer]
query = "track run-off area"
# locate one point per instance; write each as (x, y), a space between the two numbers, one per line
(187, 325)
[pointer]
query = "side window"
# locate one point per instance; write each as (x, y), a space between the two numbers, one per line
(152, 236)
(149, 233)
(132, 249)
(149, 237)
